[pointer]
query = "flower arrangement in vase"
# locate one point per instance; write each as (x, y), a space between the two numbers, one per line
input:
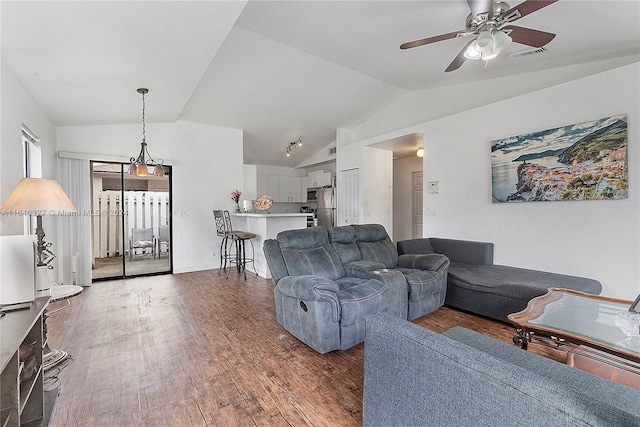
(235, 196)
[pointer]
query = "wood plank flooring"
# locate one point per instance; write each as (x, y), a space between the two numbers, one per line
(197, 349)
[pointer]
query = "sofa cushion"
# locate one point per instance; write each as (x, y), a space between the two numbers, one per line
(361, 298)
(343, 239)
(515, 282)
(308, 252)
(375, 245)
(362, 268)
(421, 283)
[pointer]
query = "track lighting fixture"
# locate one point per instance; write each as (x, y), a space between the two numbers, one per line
(292, 146)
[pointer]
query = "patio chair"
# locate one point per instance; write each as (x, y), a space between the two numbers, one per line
(142, 238)
(164, 236)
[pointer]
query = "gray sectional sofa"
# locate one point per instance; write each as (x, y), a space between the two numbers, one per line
(416, 377)
(477, 285)
(327, 281)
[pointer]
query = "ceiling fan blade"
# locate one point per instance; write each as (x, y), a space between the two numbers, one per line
(422, 42)
(525, 8)
(458, 60)
(480, 6)
(535, 38)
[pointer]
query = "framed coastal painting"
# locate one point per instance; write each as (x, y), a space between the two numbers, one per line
(584, 161)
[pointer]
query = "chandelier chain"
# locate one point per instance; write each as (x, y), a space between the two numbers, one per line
(144, 132)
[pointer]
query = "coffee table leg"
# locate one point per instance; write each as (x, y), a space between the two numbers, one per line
(523, 338)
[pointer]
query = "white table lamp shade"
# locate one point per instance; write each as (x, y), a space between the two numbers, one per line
(37, 196)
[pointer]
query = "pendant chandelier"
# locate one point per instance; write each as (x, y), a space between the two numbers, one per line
(140, 166)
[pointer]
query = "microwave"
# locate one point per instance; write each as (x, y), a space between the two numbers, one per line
(312, 195)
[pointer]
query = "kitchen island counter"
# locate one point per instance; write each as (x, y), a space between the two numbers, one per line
(261, 215)
(267, 226)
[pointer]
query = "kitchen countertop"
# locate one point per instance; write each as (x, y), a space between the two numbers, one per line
(265, 215)
(267, 226)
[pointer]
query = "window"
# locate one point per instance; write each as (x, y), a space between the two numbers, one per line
(31, 166)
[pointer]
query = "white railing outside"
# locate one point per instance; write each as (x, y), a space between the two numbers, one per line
(141, 209)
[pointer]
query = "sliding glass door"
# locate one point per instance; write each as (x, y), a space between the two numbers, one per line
(131, 225)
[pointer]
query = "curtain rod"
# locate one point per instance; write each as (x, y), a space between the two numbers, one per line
(98, 157)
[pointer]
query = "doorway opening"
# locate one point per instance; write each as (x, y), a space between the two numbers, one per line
(131, 222)
(406, 185)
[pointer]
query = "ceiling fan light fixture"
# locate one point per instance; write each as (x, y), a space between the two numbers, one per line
(500, 41)
(484, 42)
(472, 52)
(489, 56)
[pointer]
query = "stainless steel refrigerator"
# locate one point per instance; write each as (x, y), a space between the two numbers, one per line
(326, 211)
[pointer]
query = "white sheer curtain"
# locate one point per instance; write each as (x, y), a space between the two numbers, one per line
(74, 232)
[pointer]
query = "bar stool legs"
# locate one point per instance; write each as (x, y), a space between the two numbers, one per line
(241, 259)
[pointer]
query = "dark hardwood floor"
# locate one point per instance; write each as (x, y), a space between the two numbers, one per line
(197, 349)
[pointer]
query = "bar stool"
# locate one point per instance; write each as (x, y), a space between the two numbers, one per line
(239, 238)
(221, 232)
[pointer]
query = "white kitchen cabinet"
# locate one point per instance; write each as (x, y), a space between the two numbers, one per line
(281, 188)
(270, 185)
(289, 189)
(319, 178)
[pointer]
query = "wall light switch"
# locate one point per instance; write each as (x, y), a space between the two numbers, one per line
(433, 187)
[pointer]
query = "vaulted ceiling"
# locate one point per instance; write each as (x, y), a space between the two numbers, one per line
(279, 70)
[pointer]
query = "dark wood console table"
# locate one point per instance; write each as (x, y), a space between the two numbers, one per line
(22, 402)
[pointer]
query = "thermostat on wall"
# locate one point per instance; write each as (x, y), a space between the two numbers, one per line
(433, 187)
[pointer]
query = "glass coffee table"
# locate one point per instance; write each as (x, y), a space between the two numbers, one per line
(582, 324)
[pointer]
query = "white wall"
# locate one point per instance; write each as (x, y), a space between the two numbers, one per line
(206, 166)
(319, 157)
(376, 188)
(403, 196)
(18, 108)
(431, 104)
(597, 239)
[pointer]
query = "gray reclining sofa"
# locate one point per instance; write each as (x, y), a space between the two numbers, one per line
(416, 377)
(477, 285)
(324, 290)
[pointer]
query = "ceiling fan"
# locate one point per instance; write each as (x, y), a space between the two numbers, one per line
(490, 21)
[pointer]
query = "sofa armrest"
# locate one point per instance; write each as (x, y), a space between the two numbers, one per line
(415, 246)
(432, 262)
(464, 385)
(464, 251)
(311, 288)
(308, 287)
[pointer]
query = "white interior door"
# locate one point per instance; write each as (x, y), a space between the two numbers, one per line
(349, 197)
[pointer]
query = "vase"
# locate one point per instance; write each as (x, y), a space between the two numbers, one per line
(238, 208)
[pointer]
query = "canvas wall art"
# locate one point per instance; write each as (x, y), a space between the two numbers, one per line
(584, 161)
